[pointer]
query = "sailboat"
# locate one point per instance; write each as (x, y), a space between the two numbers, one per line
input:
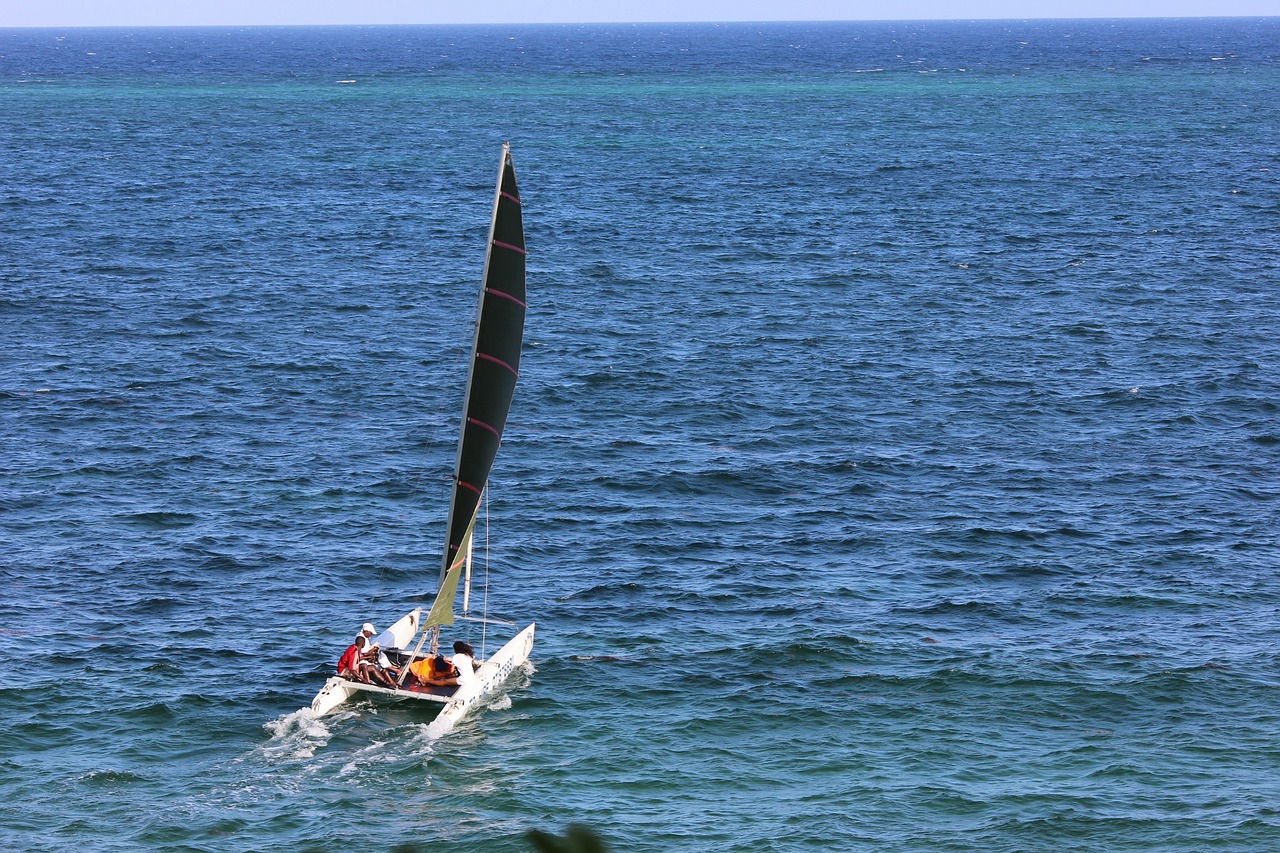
(491, 381)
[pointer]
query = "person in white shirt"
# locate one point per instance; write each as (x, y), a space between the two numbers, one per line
(464, 661)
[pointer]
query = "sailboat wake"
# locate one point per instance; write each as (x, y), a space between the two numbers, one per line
(440, 726)
(295, 736)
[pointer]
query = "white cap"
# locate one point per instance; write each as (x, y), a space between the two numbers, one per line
(368, 626)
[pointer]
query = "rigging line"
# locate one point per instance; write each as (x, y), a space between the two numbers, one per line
(484, 626)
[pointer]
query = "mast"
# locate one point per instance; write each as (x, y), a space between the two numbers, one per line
(491, 380)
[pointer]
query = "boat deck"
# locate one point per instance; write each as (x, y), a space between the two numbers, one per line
(430, 694)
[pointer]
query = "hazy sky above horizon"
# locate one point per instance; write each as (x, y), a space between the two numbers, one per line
(95, 13)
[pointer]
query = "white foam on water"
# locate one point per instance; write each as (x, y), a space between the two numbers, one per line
(421, 743)
(439, 727)
(296, 735)
(366, 756)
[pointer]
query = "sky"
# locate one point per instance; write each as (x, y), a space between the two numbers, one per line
(98, 13)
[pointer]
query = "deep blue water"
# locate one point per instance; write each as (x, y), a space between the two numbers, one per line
(893, 466)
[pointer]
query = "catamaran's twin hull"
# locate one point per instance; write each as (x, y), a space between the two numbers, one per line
(490, 676)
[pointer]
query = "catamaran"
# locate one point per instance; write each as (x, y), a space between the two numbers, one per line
(491, 381)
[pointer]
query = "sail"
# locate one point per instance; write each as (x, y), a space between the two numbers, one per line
(491, 382)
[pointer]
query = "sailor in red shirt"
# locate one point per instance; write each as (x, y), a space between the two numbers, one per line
(349, 663)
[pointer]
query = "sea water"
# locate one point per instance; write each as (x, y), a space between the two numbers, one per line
(893, 465)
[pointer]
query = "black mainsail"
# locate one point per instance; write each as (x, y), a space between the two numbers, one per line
(491, 381)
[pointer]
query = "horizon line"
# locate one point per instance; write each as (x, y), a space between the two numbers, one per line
(968, 18)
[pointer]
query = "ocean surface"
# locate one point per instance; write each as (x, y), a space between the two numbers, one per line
(895, 464)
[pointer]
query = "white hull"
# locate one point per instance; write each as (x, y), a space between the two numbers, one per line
(490, 676)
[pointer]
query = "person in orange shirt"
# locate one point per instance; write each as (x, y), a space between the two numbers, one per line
(434, 671)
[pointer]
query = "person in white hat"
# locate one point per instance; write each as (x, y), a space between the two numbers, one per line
(375, 655)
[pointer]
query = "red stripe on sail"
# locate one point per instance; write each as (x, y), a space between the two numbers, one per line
(482, 425)
(508, 195)
(505, 296)
(467, 485)
(498, 362)
(502, 245)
